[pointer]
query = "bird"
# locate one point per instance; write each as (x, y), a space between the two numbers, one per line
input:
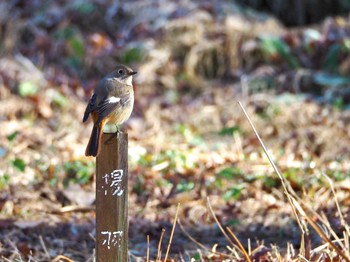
(111, 103)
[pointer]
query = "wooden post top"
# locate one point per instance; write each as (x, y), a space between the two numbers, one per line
(112, 199)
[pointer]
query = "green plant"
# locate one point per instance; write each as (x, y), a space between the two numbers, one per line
(229, 173)
(71, 36)
(132, 55)
(19, 164)
(185, 186)
(189, 135)
(11, 137)
(331, 61)
(273, 47)
(84, 8)
(27, 88)
(4, 181)
(78, 172)
(57, 98)
(234, 193)
(229, 131)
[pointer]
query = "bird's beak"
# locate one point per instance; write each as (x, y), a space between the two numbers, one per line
(133, 73)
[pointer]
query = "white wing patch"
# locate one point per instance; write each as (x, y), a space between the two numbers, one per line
(113, 99)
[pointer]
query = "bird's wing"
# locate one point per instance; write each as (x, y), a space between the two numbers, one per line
(107, 106)
(111, 103)
(89, 108)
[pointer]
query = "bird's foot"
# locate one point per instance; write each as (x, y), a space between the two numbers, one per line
(119, 131)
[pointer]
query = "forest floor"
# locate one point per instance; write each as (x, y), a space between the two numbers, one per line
(189, 140)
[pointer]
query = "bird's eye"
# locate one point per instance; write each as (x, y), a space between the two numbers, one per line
(120, 71)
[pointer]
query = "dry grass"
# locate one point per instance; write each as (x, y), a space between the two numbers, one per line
(296, 206)
(334, 249)
(176, 152)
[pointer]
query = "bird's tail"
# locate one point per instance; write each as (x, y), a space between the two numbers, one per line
(94, 145)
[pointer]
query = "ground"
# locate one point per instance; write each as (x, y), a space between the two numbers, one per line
(189, 140)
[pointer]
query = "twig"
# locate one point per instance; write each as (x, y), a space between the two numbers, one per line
(289, 197)
(59, 257)
(249, 247)
(239, 245)
(44, 247)
(13, 245)
(323, 246)
(325, 222)
(320, 218)
(147, 254)
(172, 232)
(73, 208)
(342, 219)
(200, 244)
(160, 244)
(218, 223)
(320, 232)
(92, 236)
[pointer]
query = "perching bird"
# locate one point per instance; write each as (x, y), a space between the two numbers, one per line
(112, 102)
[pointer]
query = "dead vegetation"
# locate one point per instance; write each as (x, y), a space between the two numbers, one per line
(190, 142)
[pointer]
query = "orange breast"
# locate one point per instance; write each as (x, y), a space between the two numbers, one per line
(120, 115)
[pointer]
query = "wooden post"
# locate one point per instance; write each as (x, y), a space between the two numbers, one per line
(112, 199)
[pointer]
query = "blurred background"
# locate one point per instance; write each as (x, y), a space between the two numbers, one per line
(288, 62)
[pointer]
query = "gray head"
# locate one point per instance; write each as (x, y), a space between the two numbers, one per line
(123, 74)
